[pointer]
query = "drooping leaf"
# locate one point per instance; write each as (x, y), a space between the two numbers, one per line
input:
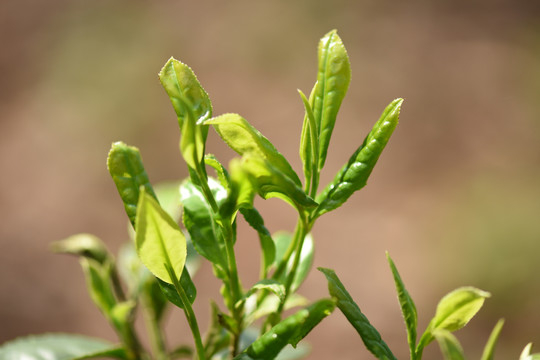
(270, 182)
(245, 139)
(333, 78)
(172, 295)
(200, 221)
(126, 168)
(370, 336)
(160, 242)
(182, 85)
(85, 245)
(453, 312)
(289, 331)
(408, 308)
(450, 346)
(489, 349)
(354, 175)
(268, 248)
(57, 347)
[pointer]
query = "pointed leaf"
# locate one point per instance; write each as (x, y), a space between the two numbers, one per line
(408, 308)
(453, 312)
(182, 85)
(489, 349)
(370, 336)
(288, 331)
(270, 182)
(354, 175)
(56, 347)
(126, 168)
(245, 139)
(268, 248)
(309, 141)
(160, 242)
(526, 353)
(333, 78)
(200, 221)
(450, 346)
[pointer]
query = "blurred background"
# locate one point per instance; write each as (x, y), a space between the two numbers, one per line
(455, 197)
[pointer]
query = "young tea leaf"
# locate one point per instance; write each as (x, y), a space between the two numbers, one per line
(126, 168)
(450, 346)
(354, 175)
(267, 284)
(370, 336)
(85, 245)
(309, 142)
(333, 78)
(489, 349)
(255, 220)
(454, 311)
(182, 86)
(408, 309)
(99, 284)
(526, 353)
(160, 242)
(245, 139)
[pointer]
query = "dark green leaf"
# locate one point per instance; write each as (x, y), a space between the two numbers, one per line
(245, 139)
(268, 248)
(354, 175)
(450, 347)
(201, 222)
(270, 182)
(172, 295)
(126, 168)
(56, 347)
(160, 242)
(489, 349)
(85, 245)
(288, 331)
(333, 78)
(408, 309)
(453, 312)
(370, 336)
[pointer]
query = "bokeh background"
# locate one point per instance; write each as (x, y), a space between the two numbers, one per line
(455, 198)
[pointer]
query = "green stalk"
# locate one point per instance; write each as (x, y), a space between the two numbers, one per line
(190, 315)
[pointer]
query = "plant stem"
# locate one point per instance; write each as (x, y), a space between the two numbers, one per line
(157, 338)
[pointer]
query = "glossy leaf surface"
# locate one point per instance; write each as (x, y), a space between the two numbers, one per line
(57, 347)
(454, 312)
(333, 78)
(160, 242)
(245, 139)
(354, 175)
(288, 331)
(450, 346)
(408, 308)
(126, 168)
(370, 336)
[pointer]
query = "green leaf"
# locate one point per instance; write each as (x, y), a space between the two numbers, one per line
(289, 331)
(255, 220)
(454, 311)
(282, 241)
(354, 175)
(370, 336)
(126, 168)
(168, 195)
(182, 86)
(267, 284)
(333, 78)
(526, 353)
(222, 174)
(160, 242)
(99, 285)
(309, 140)
(270, 182)
(172, 295)
(201, 222)
(408, 308)
(450, 346)
(57, 347)
(134, 274)
(489, 349)
(245, 139)
(85, 245)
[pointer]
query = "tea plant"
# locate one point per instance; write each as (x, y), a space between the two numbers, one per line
(154, 271)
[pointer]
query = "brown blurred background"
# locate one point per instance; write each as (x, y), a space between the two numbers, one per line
(455, 198)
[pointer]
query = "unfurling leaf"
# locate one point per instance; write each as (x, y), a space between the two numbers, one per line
(160, 242)
(450, 346)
